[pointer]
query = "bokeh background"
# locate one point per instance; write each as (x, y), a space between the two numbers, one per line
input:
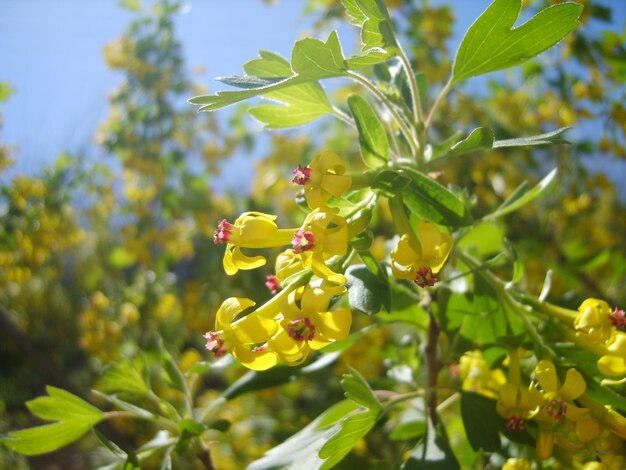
(112, 184)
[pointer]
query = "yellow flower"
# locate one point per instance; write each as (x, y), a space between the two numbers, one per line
(594, 321)
(250, 230)
(517, 403)
(322, 179)
(517, 464)
(557, 403)
(322, 236)
(477, 376)
(246, 339)
(614, 362)
(419, 260)
(308, 325)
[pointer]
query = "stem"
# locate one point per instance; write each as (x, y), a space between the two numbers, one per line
(339, 114)
(444, 91)
(432, 364)
(415, 95)
(164, 422)
(505, 296)
(410, 136)
(563, 314)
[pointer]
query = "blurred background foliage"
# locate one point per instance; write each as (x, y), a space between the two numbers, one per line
(99, 259)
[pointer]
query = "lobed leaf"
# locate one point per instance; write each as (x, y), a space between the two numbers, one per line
(74, 418)
(315, 59)
(61, 405)
(123, 377)
(300, 451)
(491, 43)
(47, 438)
(352, 430)
(358, 390)
(373, 19)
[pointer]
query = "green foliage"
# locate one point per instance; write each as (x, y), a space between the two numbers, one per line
(372, 135)
(73, 418)
(462, 310)
(429, 200)
(492, 44)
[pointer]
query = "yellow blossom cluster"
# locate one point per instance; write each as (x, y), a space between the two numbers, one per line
(298, 320)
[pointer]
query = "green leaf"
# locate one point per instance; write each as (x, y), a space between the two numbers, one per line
(491, 43)
(124, 405)
(484, 239)
(358, 390)
(311, 59)
(353, 429)
(374, 56)
(408, 430)
(47, 438)
(74, 418)
(481, 421)
(548, 138)
(300, 451)
(390, 182)
(253, 380)
(315, 59)
(432, 202)
(479, 139)
(61, 405)
(366, 291)
(522, 196)
(125, 378)
(303, 103)
(188, 429)
(376, 30)
(372, 135)
(174, 374)
(433, 453)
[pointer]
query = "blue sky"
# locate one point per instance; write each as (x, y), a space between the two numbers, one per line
(51, 53)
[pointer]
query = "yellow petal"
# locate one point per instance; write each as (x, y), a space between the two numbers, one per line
(545, 443)
(574, 385)
(587, 428)
(241, 261)
(334, 325)
(612, 366)
(315, 300)
(255, 360)
(229, 309)
(328, 161)
(321, 270)
(508, 395)
(254, 329)
(315, 197)
(429, 236)
(336, 184)
(546, 375)
(403, 253)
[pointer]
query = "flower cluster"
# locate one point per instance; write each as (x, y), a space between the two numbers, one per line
(297, 319)
(551, 406)
(602, 330)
